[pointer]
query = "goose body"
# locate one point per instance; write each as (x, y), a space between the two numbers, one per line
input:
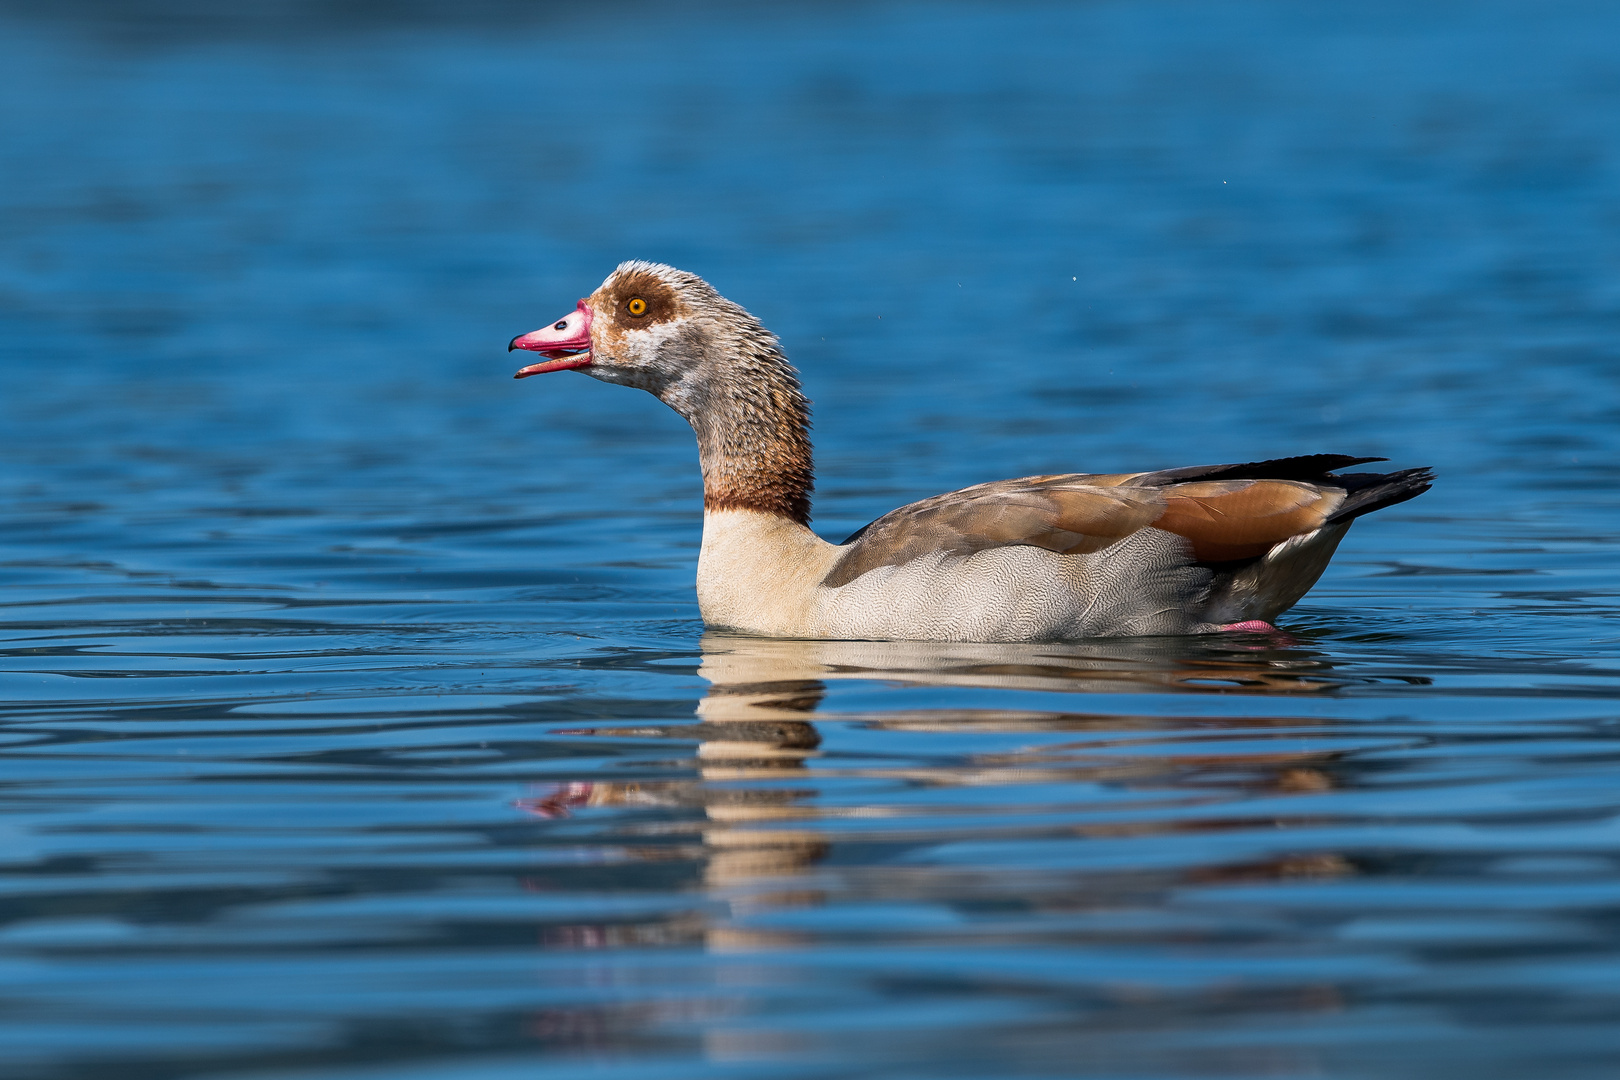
(1178, 551)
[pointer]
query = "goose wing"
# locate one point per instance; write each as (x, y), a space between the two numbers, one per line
(1227, 513)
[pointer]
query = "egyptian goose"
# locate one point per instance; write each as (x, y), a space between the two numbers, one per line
(1041, 558)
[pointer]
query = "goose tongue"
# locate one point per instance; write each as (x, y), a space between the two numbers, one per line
(565, 344)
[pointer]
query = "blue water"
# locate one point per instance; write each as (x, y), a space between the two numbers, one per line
(356, 716)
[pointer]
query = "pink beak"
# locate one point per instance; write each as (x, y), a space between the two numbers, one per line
(565, 344)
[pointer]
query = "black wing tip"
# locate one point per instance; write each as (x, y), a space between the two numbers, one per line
(1310, 467)
(1355, 481)
(1366, 492)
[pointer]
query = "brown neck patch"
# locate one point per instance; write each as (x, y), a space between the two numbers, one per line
(754, 437)
(778, 481)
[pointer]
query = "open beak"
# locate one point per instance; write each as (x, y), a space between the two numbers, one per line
(565, 344)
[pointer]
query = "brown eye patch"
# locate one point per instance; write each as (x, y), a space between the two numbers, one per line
(638, 301)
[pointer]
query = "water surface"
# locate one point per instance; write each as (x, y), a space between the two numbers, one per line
(356, 716)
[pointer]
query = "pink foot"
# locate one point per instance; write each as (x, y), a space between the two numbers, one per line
(1251, 626)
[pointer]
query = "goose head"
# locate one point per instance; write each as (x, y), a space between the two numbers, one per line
(649, 326)
(670, 333)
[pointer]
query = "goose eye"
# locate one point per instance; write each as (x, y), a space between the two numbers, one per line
(637, 306)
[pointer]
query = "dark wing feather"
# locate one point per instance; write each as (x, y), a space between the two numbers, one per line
(1374, 491)
(1311, 468)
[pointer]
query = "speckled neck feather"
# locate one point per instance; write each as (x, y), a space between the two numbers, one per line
(753, 430)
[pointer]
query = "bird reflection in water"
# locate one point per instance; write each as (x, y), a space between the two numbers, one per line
(767, 823)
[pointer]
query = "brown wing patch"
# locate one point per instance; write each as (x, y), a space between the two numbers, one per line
(1065, 514)
(1243, 519)
(1095, 515)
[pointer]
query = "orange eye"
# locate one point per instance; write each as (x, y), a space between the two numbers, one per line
(637, 306)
